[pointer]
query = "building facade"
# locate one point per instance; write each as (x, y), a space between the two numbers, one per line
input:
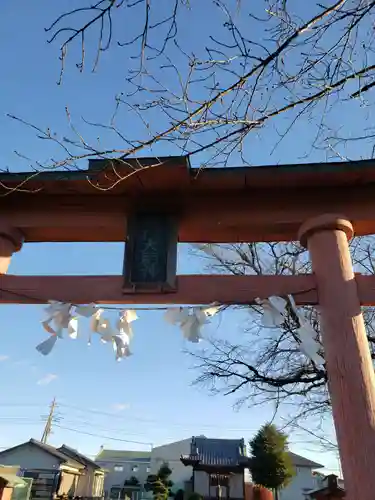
(91, 482)
(121, 466)
(304, 480)
(182, 476)
(218, 467)
(54, 472)
(171, 454)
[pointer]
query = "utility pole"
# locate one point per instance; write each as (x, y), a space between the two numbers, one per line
(48, 426)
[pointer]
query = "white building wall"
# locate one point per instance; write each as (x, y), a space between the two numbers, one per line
(201, 483)
(236, 486)
(171, 454)
(301, 482)
(29, 457)
(117, 477)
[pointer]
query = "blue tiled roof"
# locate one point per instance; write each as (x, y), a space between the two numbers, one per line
(224, 452)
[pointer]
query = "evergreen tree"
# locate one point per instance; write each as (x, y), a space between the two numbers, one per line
(133, 481)
(271, 465)
(159, 483)
(180, 495)
(195, 496)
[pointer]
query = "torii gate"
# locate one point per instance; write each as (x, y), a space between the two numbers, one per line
(166, 201)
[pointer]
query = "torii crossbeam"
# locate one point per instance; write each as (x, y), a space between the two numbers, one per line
(163, 201)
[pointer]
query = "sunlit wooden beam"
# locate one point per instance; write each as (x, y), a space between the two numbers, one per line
(211, 205)
(192, 289)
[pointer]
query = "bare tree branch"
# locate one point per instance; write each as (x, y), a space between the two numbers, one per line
(212, 99)
(268, 366)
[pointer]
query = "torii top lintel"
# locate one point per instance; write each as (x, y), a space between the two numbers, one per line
(213, 205)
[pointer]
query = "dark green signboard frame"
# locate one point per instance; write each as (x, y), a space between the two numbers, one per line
(151, 252)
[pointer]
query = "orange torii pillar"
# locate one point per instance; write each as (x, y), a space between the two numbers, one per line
(11, 240)
(349, 365)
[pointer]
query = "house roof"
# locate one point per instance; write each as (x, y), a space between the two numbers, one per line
(299, 461)
(78, 457)
(57, 453)
(232, 452)
(48, 449)
(330, 484)
(123, 455)
(222, 452)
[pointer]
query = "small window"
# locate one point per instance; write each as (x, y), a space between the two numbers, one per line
(148, 469)
(135, 468)
(118, 468)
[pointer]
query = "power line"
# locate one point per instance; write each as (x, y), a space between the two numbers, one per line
(20, 418)
(147, 420)
(19, 423)
(79, 424)
(21, 405)
(101, 436)
(76, 426)
(86, 424)
(77, 421)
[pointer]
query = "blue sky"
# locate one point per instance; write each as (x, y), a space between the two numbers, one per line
(147, 398)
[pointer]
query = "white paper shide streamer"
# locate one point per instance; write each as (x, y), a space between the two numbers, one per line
(191, 320)
(62, 320)
(121, 339)
(309, 346)
(59, 318)
(274, 315)
(273, 311)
